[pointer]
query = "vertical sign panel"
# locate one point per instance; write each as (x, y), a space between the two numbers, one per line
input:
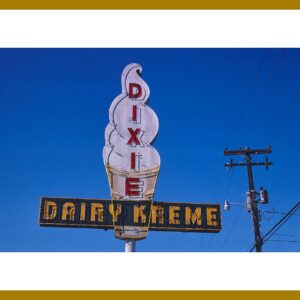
(132, 164)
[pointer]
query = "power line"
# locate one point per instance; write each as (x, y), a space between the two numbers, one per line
(278, 225)
(218, 179)
(289, 235)
(252, 120)
(254, 81)
(279, 213)
(284, 241)
(292, 103)
(229, 184)
(237, 121)
(285, 171)
(235, 219)
(231, 228)
(248, 238)
(263, 96)
(290, 189)
(275, 136)
(213, 199)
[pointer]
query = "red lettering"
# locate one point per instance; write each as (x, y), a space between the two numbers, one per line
(132, 165)
(133, 187)
(138, 92)
(134, 112)
(133, 136)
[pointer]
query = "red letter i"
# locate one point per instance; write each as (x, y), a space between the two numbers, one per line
(132, 161)
(134, 113)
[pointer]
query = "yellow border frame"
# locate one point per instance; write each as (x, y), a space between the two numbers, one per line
(150, 4)
(149, 295)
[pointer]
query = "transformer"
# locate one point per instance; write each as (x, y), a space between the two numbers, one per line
(263, 195)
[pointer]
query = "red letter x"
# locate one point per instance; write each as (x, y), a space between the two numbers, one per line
(133, 136)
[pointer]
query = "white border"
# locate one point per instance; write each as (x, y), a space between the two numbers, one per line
(149, 271)
(152, 28)
(140, 271)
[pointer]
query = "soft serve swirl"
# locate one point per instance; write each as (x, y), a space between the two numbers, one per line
(132, 127)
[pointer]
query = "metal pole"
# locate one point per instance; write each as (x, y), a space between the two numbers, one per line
(130, 246)
(253, 206)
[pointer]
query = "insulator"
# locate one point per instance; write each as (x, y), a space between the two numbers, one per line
(263, 194)
(248, 201)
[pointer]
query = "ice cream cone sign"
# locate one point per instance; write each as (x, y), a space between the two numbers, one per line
(131, 162)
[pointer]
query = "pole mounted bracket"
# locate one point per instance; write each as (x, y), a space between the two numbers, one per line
(267, 163)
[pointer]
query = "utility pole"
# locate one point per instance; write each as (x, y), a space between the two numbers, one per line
(279, 224)
(252, 205)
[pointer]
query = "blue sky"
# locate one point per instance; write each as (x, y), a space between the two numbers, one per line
(54, 109)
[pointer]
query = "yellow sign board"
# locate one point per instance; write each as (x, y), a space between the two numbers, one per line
(105, 214)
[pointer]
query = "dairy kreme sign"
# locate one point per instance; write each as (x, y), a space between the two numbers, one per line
(103, 214)
(132, 164)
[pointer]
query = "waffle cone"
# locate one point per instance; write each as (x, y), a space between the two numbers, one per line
(117, 182)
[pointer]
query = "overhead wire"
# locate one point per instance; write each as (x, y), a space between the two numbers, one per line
(285, 169)
(278, 225)
(241, 111)
(292, 186)
(252, 120)
(279, 213)
(231, 228)
(259, 105)
(283, 174)
(246, 99)
(275, 136)
(283, 120)
(292, 157)
(284, 241)
(247, 238)
(254, 81)
(289, 235)
(252, 85)
(292, 104)
(262, 99)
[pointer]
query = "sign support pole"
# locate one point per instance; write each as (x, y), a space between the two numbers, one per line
(130, 245)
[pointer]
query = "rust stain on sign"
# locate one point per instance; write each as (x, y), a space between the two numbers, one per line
(102, 214)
